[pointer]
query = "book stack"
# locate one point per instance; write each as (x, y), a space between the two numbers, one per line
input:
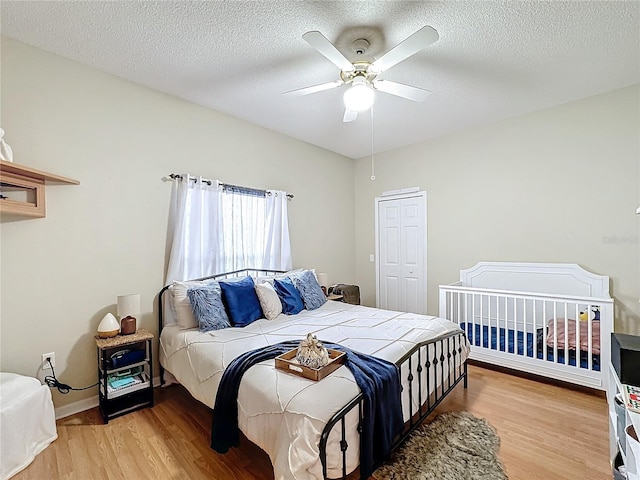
(118, 384)
(631, 397)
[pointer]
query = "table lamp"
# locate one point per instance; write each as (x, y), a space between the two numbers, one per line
(128, 307)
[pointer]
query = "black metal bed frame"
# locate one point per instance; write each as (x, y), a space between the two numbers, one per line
(446, 353)
(448, 356)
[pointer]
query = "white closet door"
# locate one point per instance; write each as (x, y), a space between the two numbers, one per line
(413, 289)
(401, 244)
(390, 255)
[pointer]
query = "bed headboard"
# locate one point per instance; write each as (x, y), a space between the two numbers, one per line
(549, 278)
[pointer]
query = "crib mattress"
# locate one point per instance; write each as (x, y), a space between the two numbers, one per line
(512, 341)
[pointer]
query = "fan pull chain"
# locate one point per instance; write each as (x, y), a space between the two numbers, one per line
(373, 172)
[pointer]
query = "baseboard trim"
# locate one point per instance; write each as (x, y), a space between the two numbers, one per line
(76, 407)
(86, 404)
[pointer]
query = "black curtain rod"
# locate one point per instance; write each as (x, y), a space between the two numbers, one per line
(174, 176)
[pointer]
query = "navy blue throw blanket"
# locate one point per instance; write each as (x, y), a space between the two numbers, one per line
(378, 380)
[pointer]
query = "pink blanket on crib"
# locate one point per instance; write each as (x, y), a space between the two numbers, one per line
(573, 334)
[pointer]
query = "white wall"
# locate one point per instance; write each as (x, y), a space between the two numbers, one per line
(105, 237)
(559, 185)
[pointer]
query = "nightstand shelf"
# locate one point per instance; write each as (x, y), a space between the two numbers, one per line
(119, 400)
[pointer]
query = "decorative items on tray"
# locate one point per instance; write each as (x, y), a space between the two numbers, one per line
(310, 360)
(311, 352)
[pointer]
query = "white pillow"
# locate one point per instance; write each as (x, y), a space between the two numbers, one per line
(263, 279)
(269, 300)
(182, 306)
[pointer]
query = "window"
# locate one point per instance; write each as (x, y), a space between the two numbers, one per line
(243, 229)
(216, 228)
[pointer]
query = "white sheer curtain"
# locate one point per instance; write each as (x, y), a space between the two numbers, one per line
(214, 230)
(277, 247)
(243, 227)
(195, 221)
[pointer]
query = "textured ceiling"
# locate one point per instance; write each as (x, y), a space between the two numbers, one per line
(493, 60)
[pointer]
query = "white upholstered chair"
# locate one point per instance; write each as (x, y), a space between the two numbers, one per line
(27, 422)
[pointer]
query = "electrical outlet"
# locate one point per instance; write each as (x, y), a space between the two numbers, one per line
(45, 364)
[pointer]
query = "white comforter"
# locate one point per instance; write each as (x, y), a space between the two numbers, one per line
(282, 413)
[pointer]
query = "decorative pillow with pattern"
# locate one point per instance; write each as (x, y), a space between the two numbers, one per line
(208, 309)
(310, 291)
(296, 274)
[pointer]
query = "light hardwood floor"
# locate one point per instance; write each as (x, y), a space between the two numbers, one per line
(547, 432)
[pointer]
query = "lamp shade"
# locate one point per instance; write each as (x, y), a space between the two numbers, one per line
(323, 279)
(108, 327)
(359, 96)
(128, 305)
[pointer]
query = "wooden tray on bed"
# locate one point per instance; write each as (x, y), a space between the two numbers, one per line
(287, 362)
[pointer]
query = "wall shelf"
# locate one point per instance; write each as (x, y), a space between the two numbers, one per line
(22, 190)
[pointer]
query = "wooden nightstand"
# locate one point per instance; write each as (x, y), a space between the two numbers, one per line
(134, 365)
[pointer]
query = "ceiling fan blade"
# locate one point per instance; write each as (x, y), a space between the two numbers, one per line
(349, 115)
(401, 90)
(313, 89)
(326, 48)
(410, 46)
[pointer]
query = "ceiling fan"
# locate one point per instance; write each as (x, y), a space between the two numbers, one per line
(362, 76)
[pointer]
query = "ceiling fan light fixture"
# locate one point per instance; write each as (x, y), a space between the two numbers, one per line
(359, 97)
(361, 75)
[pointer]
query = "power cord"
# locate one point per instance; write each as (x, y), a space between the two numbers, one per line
(63, 388)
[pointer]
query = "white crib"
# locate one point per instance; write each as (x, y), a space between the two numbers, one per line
(547, 319)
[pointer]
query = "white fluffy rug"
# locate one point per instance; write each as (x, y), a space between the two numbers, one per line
(454, 446)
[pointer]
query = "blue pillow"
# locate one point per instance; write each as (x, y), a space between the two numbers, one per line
(289, 296)
(242, 302)
(208, 309)
(310, 291)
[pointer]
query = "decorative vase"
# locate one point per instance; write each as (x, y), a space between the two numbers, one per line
(128, 325)
(108, 326)
(6, 153)
(311, 353)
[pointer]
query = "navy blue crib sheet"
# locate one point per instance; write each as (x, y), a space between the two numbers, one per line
(512, 341)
